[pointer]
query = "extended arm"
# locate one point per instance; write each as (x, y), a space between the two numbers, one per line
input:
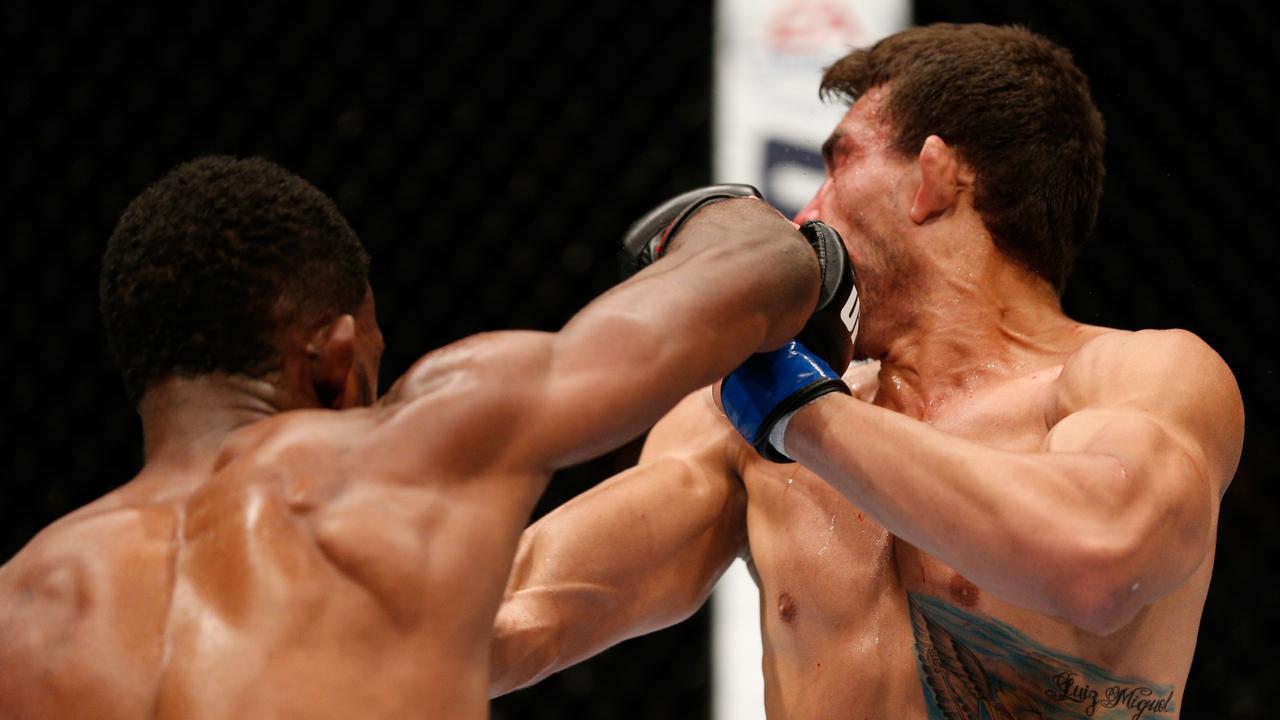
(1115, 511)
(738, 278)
(636, 553)
(679, 325)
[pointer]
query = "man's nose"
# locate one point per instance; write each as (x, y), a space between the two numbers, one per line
(811, 210)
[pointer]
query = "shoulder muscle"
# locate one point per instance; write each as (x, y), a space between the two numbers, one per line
(466, 405)
(1169, 379)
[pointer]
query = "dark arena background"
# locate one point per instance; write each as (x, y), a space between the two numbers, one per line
(490, 154)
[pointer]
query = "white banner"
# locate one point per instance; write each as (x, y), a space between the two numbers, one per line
(770, 55)
(769, 125)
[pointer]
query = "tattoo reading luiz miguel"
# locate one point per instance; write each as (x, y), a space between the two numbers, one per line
(976, 668)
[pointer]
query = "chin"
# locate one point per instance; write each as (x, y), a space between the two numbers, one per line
(868, 346)
(861, 354)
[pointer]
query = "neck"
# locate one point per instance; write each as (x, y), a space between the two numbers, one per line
(972, 325)
(185, 420)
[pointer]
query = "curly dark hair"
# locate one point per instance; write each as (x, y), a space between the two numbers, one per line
(207, 267)
(1019, 112)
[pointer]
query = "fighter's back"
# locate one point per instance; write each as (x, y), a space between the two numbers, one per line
(101, 579)
(295, 549)
(288, 581)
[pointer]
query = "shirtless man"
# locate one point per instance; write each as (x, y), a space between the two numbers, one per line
(1021, 522)
(292, 549)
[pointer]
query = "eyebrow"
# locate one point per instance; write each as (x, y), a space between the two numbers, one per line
(829, 146)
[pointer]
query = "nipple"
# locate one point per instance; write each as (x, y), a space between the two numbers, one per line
(963, 592)
(786, 607)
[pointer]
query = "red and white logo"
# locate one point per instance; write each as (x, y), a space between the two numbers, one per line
(812, 27)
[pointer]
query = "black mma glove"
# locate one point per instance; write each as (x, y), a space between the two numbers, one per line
(647, 238)
(833, 327)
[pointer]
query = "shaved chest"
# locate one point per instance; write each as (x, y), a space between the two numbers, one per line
(1015, 415)
(807, 537)
(834, 583)
(834, 619)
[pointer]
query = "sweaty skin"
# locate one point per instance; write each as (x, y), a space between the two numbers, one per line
(277, 561)
(836, 587)
(1019, 524)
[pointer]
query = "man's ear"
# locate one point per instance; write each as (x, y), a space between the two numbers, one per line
(942, 177)
(331, 353)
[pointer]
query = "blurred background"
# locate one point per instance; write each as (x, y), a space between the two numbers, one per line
(490, 153)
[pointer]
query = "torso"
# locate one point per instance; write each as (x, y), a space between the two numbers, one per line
(857, 623)
(837, 636)
(268, 589)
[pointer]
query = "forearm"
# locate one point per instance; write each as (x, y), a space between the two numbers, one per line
(739, 279)
(635, 554)
(525, 647)
(1041, 530)
(749, 263)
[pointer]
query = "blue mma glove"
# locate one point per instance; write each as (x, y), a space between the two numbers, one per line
(769, 386)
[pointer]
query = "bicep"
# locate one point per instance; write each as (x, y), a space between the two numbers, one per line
(523, 401)
(1126, 394)
(1164, 405)
(1161, 501)
(1159, 465)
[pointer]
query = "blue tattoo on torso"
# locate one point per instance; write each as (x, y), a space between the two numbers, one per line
(976, 668)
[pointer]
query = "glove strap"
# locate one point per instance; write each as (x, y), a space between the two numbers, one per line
(772, 385)
(778, 435)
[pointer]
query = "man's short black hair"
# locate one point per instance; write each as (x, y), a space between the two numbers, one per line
(209, 265)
